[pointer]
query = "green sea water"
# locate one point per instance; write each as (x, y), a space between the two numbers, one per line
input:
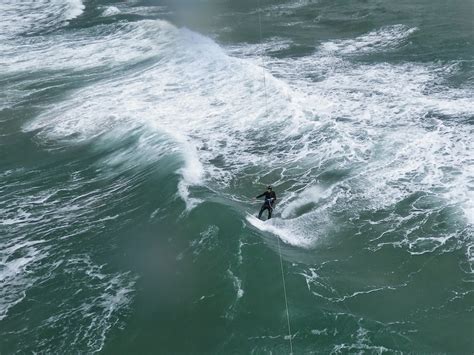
(135, 135)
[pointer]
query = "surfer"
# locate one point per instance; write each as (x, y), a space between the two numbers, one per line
(270, 198)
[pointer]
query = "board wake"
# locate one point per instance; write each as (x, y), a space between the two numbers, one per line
(277, 227)
(256, 222)
(265, 226)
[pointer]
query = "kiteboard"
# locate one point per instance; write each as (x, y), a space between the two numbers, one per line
(263, 225)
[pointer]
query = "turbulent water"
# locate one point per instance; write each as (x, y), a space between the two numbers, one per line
(135, 135)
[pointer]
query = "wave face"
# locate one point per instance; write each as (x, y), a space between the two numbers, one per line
(134, 145)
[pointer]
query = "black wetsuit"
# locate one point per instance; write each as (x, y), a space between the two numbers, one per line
(270, 198)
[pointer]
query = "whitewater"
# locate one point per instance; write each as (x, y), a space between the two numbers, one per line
(133, 143)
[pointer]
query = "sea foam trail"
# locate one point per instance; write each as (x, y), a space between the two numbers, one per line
(45, 215)
(379, 124)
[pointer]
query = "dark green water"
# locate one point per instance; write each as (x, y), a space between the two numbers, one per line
(135, 135)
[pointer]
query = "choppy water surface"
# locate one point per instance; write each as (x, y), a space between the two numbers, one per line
(135, 135)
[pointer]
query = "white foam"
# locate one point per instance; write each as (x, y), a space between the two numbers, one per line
(18, 17)
(362, 344)
(319, 332)
(111, 11)
(310, 195)
(470, 256)
(125, 8)
(237, 283)
(261, 49)
(207, 241)
(108, 46)
(14, 271)
(292, 232)
(96, 110)
(286, 8)
(74, 9)
(34, 221)
(107, 298)
(386, 38)
(375, 123)
(192, 175)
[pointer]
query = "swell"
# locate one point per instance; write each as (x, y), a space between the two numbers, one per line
(379, 150)
(391, 142)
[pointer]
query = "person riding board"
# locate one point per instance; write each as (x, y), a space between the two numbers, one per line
(270, 199)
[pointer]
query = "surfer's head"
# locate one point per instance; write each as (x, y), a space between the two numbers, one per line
(269, 188)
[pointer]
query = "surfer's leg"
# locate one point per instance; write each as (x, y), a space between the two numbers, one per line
(270, 210)
(261, 211)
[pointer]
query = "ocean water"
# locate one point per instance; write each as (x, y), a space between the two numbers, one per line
(135, 135)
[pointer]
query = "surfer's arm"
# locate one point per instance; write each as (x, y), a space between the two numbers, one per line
(260, 195)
